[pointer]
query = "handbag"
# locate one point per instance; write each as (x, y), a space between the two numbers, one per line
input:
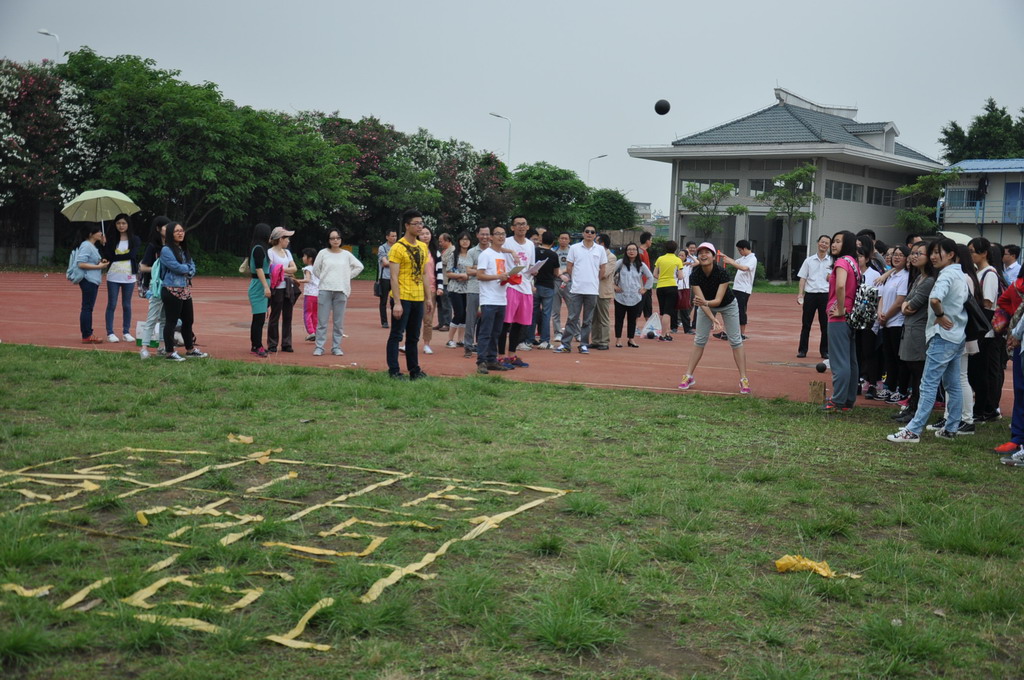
(376, 288)
(978, 324)
(683, 299)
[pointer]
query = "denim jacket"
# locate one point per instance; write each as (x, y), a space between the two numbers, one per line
(176, 274)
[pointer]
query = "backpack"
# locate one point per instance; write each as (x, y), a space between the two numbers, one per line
(156, 279)
(75, 273)
(865, 307)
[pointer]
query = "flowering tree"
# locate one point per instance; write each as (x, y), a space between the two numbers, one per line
(44, 154)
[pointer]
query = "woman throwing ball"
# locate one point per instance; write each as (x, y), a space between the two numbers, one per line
(712, 296)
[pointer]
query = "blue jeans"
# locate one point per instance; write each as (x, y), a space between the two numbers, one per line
(487, 331)
(89, 293)
(941, 362)
(412, 319)
(126, 290)
(543, 301)
(842, 355)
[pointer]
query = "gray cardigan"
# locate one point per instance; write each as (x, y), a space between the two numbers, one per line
(912, 345)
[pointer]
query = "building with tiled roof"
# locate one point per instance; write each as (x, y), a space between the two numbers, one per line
(860, 165)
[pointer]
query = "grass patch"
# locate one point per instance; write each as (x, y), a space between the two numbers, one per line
(660, 558)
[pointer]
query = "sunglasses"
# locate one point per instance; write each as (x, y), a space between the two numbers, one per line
(589, 231)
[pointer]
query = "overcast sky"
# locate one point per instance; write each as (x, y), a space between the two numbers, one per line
(578, 78)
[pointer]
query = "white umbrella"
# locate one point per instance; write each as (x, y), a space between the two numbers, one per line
(98, 205)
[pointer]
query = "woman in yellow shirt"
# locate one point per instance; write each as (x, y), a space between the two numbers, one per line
(667, 270)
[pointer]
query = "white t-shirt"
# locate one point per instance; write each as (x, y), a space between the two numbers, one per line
(312, 287)
(815, 271)
(283, 261)
(744, 281)
(121, 271)
(893, 287)
(525, 256)
(493, 263)
(586, 267)
(989, 279)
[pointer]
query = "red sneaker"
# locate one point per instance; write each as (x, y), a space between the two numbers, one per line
(91, 340)
(1007, 448)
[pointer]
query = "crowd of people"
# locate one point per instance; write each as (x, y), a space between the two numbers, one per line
(500, 293)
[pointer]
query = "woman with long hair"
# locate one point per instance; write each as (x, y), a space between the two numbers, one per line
(842, 338)
(279, 329)
(892, 292)
(915, 318)
(259, 286)
(631, 278)
(944, 333)
(155, 313)
(177, 270)
(712, 295)
(457, 278)
(121, 249)
(335, 268)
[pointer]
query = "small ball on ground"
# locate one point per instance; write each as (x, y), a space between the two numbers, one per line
(651, 335)
(661, 107)
(821, 367)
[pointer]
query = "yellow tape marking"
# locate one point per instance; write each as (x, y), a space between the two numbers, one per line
(25, 592)
(163, 564)
(191, 624)
(81, 594)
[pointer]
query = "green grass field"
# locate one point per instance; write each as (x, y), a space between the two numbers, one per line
(659, 563)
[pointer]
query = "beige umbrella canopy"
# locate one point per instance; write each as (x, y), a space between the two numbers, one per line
(98, 205)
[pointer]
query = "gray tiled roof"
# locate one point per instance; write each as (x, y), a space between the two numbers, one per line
(789, 124)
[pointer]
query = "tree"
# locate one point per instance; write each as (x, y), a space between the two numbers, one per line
(608, 209)
(705, 203)
(993, 134)
(44, 153)
(184, 151)
(787, 200)
(921, 198)
(548, 195)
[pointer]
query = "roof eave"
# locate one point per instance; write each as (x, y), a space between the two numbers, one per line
(669, 153)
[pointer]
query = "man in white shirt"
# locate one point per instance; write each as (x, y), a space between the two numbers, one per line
(813, 295)
(584, 266)
(492, 270)
(1011, 267)
(743, 284)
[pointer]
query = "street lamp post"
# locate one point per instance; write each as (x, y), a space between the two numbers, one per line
(604, 155)
(508, 152)
(43, 31)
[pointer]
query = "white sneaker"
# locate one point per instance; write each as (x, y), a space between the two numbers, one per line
(544, 345)
(558, 337)
(337, 352)
(113, 338)
(450, 344)
(143, 353)
(127, 337)
(427, 350)
(174, 356)
(524, 347)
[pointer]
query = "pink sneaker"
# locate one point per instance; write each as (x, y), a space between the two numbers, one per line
(744, 386)
(688, 382)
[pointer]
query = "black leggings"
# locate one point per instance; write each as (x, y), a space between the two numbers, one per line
(256, 330)
(174, 309)
(630, 313)
(897, 375)
(458, 301)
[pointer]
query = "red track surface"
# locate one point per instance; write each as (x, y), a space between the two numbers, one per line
(42, 309)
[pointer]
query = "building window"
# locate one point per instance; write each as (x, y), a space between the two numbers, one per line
(766, 164)
(878, 196)
(725, 164)
(843, 191)
(962, 198)
(885, 175)
(846, 168)
(705, 184)
(694, 164)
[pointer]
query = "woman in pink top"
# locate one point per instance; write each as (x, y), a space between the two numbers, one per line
(842, 339)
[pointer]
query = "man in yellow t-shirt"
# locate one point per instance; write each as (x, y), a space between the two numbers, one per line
(667, 270)
(407, 260)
